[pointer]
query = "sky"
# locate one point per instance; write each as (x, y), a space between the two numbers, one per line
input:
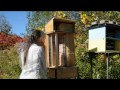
(17, 19)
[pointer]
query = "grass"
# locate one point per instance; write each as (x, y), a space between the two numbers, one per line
(9, 66)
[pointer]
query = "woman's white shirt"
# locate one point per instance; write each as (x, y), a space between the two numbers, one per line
(35, 67)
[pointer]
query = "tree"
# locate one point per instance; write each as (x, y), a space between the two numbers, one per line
(4, 25)
(38, 19)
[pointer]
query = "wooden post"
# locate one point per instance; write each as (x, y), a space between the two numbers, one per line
(91, 72)
(107, 62)
(91, 57)
(56, 45)
(51, 46)
(65, 53)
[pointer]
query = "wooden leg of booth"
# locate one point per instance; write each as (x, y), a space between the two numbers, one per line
(63, 73)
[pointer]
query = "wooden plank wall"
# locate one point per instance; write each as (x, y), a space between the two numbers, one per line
(70, 49)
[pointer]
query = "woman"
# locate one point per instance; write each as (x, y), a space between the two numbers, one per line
(33, 65)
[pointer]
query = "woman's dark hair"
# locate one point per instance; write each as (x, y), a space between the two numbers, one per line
(30, 40)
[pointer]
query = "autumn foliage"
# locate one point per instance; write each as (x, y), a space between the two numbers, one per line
(7, 40)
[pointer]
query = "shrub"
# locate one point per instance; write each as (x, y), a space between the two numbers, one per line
(6, 40)
(9, 66)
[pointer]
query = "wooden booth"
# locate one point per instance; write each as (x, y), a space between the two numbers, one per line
(60, 49)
